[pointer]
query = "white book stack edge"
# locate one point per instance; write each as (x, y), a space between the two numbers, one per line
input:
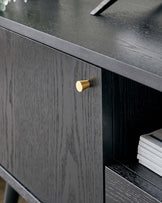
(150, 156)
(150, 151)
(154, 151)
(149, 164)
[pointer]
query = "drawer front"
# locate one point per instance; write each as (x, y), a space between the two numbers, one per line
(118, 189)
(51, 135)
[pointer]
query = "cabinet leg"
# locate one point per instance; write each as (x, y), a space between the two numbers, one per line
(10, 195)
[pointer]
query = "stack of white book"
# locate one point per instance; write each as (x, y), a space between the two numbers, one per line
(150, 151)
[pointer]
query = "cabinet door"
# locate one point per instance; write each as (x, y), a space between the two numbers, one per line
(50, 134)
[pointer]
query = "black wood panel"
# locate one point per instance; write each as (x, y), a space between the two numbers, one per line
(51, 135)
(151, 185)
(137, 110)
(145, 173)
(119, 189)
(129, 31)
(125, 39)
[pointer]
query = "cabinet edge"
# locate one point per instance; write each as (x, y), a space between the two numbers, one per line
(104, 61)
(18, 187)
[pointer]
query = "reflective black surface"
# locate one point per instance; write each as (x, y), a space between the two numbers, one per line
(129, 31)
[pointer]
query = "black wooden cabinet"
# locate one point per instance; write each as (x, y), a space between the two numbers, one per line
(61, 146)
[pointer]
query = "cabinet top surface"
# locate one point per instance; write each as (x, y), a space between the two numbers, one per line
(130, 31)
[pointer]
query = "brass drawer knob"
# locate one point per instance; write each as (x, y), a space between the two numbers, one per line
(82, 85)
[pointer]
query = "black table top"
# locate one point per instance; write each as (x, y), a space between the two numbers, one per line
(125, 39)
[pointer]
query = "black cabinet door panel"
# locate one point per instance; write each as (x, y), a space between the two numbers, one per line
(50, 135)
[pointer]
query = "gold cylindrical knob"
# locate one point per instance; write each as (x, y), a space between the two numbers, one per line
(82, 85)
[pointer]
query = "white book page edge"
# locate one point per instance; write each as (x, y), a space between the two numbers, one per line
(150, 156)
(151, 149)
(152, 142)
(150, 165)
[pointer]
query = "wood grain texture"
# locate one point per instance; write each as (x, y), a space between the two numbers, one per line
(129, 31)
(153, 188)
(118, 189)
(125, 39)
(51, 135)
(146, 174)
